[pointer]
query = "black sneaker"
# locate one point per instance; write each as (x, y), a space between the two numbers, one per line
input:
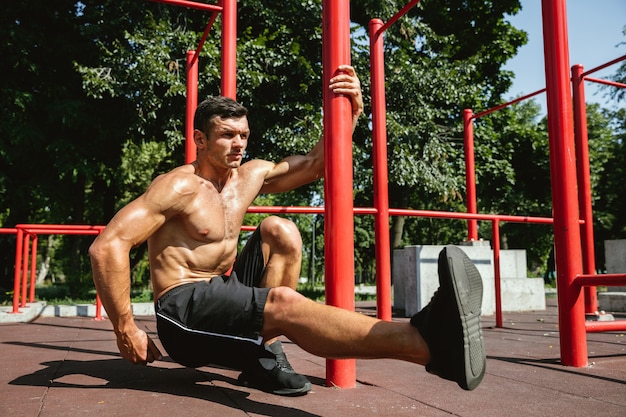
(276, 375)
(450, 323)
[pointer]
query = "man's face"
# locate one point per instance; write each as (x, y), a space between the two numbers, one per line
(227, 140)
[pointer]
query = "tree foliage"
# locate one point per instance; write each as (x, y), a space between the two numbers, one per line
(94, 98)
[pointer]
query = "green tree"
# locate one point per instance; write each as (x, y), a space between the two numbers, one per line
(439, 59)
(609, 198)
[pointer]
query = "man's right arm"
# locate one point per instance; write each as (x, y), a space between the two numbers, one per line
(110, 251)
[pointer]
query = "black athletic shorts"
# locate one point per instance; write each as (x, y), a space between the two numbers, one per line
(218, 321)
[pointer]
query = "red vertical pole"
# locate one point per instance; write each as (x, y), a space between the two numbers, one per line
(33, 265)
(581, 139)
(568, 253)
(19, 243)
(25, 250)
(98, 308)
(496, 270)
(98, 304)
(381, 190)
(229, 49)
(339, 221)
(192, 103)
(470, 172)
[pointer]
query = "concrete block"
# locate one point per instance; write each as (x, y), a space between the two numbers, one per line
(65, 311)
(523, 294)
(615, 259)
(416, 278)
(143, 309)
(513, 263)
(612, 301)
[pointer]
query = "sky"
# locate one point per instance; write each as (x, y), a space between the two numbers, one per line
(595, 31)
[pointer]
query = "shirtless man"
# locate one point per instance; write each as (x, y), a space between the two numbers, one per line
(191, 218)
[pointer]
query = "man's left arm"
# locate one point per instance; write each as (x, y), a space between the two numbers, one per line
(297, 170)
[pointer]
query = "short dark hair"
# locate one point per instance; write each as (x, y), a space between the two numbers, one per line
(221, 106)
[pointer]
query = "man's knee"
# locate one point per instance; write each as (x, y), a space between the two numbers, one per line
(279, 303)
(281, 234)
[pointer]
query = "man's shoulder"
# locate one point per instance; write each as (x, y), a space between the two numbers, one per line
(180, 180)
(256, 167)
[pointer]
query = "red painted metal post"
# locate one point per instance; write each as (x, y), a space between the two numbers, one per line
(33, 269)
(470, 172)
(229, 49)
(98, 307)
(564, 188)
(339, 220)
(17, 274)
(496, 270)
(381, 189)
(191, 104)
(581, 139)
(25, 249)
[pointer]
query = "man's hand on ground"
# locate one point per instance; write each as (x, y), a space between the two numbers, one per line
(137, 347)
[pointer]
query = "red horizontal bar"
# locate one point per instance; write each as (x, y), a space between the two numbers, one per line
(397, 16)
(405, 212)
(59, 231)
(607, 82)
(510, 103)
(191, 4)
(59, 226)
(287, 209)
(89, 229)
(608, 64)
(592, 326)
(465, 216)
(611, 280)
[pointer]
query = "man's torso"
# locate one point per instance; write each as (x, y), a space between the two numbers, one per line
(201, 241)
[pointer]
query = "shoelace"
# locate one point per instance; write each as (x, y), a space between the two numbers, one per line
(283, 364)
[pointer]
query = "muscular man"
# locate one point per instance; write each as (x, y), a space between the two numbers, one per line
(191, 218)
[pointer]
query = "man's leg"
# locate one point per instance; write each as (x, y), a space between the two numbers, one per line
(445, 336)
(282, 252)
(272, 258)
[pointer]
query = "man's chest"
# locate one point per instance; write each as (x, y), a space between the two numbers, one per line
(217, 215)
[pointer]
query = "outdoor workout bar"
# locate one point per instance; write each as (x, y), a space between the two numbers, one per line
(380, 171)
(338, 188)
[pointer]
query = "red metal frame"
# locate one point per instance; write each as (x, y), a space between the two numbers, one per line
(380, 172)
(381, 188)
(470, 172)
(23, 233)
(584, 184)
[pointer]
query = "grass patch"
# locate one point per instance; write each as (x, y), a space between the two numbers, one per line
(319, 293)
(60, 294)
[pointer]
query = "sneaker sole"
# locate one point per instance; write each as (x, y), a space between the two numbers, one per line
(265, 386)
(467, 284)
(293, 392)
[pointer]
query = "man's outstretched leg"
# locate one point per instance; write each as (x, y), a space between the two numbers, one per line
(445, 336)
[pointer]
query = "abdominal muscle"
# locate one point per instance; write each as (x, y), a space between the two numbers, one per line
(174, 262)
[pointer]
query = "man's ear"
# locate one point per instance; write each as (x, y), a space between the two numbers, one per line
(199, 138)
